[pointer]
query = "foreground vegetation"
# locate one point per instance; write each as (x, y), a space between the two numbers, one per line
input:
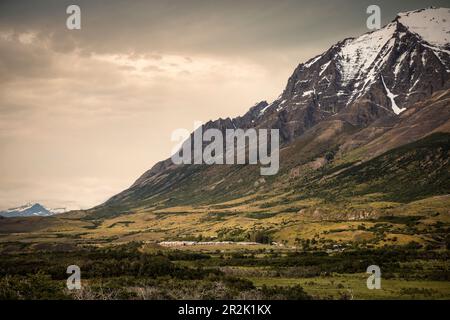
(142, 271)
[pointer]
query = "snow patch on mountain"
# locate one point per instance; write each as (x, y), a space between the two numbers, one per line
(392, 96)
(324, 67)
(263, 110)
(312, 61)
(398, 67)
(307, 93)
(357, 55)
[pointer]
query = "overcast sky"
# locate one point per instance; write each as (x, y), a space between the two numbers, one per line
(84, 112)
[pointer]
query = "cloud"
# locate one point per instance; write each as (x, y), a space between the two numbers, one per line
(85, 112)
(66, 115)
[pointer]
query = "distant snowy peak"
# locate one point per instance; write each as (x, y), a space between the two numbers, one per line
(30, 210)
(432, 25)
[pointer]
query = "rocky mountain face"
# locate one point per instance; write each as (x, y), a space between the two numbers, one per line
(360, 98)
(356, 79)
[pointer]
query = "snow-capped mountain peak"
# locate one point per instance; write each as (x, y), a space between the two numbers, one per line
(385, 70)
(30, 210)
(432, 25)
(380, 73)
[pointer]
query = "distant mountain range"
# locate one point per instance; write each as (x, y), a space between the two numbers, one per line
(31, 210)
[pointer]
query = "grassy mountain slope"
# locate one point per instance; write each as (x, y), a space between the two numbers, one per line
(325, 152)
